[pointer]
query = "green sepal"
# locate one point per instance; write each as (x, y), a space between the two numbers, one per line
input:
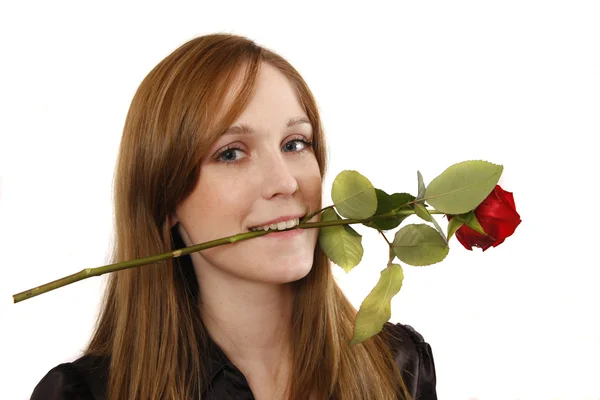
(453, 225)
(470, 219)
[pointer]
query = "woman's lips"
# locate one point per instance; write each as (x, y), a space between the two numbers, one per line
(283, 234)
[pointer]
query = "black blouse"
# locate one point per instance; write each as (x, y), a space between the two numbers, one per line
(85, 378)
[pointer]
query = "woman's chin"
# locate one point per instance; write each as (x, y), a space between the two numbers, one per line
(276, 269)
(287, 275)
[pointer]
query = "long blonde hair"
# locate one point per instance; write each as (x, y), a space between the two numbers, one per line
(150, 326)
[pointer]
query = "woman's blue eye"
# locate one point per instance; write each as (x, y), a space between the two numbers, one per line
(289, 146)
(228, 155)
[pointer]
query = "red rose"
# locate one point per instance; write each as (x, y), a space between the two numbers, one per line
(497, 216)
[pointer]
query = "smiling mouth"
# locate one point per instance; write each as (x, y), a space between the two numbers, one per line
(280, 226)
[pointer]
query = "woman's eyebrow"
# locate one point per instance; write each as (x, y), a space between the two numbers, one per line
(244, 129)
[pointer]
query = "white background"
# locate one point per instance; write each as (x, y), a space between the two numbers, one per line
(415, 85)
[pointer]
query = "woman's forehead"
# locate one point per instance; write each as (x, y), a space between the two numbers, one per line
(273, 101)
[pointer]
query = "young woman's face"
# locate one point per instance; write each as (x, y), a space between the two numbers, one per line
(263, 170)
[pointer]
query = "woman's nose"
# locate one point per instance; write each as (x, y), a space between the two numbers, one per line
(278, 176)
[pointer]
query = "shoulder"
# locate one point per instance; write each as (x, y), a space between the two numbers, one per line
(82, 379)
(414, 358)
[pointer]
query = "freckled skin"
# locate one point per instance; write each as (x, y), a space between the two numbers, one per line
(268, 180)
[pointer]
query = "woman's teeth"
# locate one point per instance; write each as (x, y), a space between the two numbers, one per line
(278, 226)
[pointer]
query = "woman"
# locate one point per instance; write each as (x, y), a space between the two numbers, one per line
(224, 137)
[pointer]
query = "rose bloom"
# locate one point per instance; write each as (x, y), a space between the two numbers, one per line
(498, 217)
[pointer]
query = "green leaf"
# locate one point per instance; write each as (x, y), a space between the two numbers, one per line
(400, 200)
(421, 186)
(341, 244)
(453, 225)
(353, 195)
(422, 212)
(462, 186)
(439, 229)
(386, 203)
(351, 230)
(420, 244)
(470, 219)
(376, 309)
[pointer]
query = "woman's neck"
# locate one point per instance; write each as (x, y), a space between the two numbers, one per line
(250, 322)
